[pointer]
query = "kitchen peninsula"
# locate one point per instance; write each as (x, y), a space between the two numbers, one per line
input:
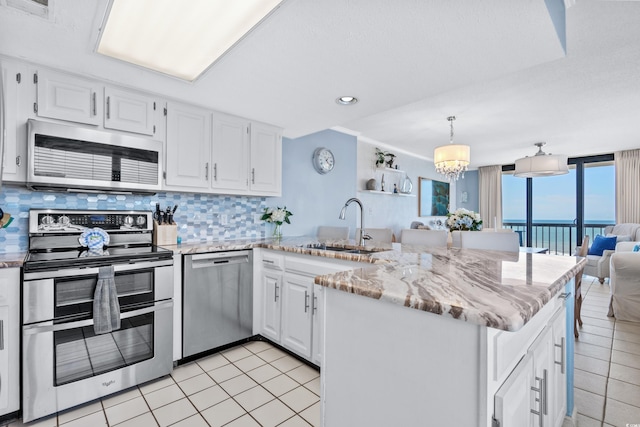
(434, 336)
(448, 337)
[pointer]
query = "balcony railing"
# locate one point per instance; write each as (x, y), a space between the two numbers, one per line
(560, 239)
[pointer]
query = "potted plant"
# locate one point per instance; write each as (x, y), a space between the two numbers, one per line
(380, 157)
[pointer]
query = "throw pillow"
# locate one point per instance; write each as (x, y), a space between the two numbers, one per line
(600, 244)
(621, 237)
(636, 248)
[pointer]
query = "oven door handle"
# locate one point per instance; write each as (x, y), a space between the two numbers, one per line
(50, 327)
(71, 272)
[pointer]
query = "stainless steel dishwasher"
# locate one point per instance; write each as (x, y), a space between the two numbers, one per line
(217, 291)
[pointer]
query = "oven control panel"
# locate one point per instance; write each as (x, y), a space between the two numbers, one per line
(52, 220)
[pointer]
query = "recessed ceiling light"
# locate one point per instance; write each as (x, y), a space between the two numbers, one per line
(347, 100)
(182, 39)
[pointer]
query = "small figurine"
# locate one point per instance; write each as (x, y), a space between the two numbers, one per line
(395, 188)
(382, 182)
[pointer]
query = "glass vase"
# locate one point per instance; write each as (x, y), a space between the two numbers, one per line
(277, 231)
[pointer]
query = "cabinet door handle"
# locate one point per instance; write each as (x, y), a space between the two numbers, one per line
(93, 101)
(1, 334)
(275, 294)
(215, 172)
(544, 392)
(315, 304)
(253, 175)
(108, 107)
(539, 399)
(18, 160)
(206, 171)
(562, 350)
(306, 301)
(564, 295)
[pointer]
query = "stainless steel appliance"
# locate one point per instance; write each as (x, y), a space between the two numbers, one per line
(72, 158)
(64, 362)
(217, 300)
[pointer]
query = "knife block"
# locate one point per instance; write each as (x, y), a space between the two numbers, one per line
(165, 234)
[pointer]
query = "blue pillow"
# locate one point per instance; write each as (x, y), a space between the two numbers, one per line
(602, 243)
(636, 248)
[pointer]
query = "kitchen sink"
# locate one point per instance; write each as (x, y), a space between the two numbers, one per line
(349, 250)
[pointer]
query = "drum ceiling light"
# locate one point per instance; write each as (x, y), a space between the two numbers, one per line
(451, 160)
(179, 38)
(541, 164)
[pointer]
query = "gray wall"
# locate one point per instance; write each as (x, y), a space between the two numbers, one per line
(469, 185)
(316, 199)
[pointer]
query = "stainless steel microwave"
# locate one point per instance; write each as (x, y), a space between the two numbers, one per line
(72, 158)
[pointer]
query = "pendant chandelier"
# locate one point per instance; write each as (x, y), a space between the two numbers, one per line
(451, 160)
(541, 164)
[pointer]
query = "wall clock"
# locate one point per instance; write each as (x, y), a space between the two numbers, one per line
(323, 160)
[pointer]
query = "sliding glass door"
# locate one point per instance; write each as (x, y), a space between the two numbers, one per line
(556, 212)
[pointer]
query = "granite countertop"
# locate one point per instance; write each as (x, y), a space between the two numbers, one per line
(12, 260)
(299, 245)
(489, 288)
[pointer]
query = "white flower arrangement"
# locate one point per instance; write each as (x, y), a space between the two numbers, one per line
(277, 215)
(464, 220)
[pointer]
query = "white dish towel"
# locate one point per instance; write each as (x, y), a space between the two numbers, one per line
(106, 309)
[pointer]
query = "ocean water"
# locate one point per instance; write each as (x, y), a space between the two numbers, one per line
(559, 236)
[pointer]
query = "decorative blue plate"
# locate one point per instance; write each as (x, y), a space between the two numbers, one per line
(94, 238)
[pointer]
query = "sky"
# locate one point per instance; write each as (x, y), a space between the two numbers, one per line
(554, 197)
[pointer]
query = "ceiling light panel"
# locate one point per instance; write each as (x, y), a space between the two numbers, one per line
(178, 38)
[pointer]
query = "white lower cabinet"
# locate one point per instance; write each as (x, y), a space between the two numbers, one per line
(297, 294)
(534, 394)
(9, 340)
(288, 305)
(317, 328)
(513, 399)
(271, 287)
(558, 382)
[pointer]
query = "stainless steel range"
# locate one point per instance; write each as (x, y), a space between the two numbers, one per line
(64, 361)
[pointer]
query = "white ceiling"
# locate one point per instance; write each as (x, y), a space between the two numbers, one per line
(499, 66)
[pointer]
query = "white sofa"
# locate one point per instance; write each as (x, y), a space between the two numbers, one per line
(598, 266)
(625, 283)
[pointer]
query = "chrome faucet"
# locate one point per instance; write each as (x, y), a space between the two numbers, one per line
(363, 235)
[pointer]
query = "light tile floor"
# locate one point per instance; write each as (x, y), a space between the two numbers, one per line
(257, 384)
(254, 384)
(607, 363)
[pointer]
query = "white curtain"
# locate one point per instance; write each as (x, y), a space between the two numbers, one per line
(490, 195)
(627, 186)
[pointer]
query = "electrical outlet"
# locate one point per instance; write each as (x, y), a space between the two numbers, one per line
(223, 219)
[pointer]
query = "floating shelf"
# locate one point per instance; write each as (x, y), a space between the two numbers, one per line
(388, 193)
(391, 170)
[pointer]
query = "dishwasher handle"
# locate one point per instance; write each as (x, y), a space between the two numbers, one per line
(218, 259)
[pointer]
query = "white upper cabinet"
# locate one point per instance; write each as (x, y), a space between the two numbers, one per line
(188, 146)
(230, 151)
(15, 114)
(64, 97)
(266, 160)
(129, 112)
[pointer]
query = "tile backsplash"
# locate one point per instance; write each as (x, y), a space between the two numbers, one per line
(200, 217)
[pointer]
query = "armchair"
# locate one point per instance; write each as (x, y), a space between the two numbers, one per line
(625, 283)
(598, 266)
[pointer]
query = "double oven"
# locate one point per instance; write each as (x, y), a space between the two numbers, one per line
(64, 361)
